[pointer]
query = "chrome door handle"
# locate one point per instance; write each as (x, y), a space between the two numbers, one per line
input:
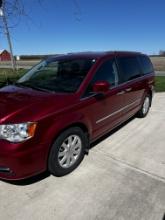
(128, 90)
(121, 93)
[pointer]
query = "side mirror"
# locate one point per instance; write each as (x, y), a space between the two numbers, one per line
(101, 87)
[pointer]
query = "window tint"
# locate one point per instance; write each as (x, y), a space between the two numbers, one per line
(146, 64)
(129, 68)
(107, 72)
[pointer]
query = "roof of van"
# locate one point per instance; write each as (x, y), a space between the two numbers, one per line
(94, 55)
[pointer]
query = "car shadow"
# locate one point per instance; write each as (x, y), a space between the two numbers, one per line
(29, 181)
(163, 217)
(42, 176)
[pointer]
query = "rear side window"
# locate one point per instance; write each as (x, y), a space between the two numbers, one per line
(129, 68)
(146, 64)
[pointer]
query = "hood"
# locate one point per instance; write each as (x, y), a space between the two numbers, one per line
(25, 104)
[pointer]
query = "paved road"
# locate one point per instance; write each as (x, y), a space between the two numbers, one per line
(18, 66)
(160, 73)
(122, 178)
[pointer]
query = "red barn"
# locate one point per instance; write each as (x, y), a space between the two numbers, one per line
(4, 55)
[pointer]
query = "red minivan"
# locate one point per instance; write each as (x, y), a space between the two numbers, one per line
(49, 117)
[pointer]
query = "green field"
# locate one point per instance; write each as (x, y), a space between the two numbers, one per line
(8, 73)
(160, 84)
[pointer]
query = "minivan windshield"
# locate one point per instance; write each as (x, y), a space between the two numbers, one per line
(57, 75)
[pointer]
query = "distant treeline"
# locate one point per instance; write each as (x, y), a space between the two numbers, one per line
(35, 57)
(40, 57)
(162, 53)
(157, 55)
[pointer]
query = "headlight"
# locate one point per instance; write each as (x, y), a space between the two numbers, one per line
(17, 132)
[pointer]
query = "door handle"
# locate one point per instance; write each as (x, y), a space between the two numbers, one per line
(128, 90)
(121, 93)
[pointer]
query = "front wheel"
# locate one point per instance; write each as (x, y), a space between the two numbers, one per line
(145, 107)
(67, 151)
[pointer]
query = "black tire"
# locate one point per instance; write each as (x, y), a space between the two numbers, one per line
(54, 165)
(143, 113)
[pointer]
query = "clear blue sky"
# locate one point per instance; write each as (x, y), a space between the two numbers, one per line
(59, 26)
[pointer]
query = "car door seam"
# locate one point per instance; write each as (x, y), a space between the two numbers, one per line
(116, 112)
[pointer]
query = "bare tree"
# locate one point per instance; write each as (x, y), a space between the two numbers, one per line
(77, 10)
(10, 11)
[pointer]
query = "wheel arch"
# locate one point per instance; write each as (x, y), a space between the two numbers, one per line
(80, 125)
(75, 124)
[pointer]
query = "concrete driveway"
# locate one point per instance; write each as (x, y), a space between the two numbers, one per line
(122, 178)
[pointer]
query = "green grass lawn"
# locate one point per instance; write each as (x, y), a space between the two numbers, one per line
(160, 84)
(8, 73)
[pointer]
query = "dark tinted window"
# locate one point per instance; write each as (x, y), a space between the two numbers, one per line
(107, 72)
(129, 68)
(146, 64)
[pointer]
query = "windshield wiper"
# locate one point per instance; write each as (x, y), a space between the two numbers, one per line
(19, 84)
(28, 85)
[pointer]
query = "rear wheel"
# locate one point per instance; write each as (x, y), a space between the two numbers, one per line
(145, 107)
(67, 151)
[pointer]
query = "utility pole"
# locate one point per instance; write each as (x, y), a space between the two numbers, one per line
(7, 33)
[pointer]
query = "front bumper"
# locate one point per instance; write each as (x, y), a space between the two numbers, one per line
(20, 161)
